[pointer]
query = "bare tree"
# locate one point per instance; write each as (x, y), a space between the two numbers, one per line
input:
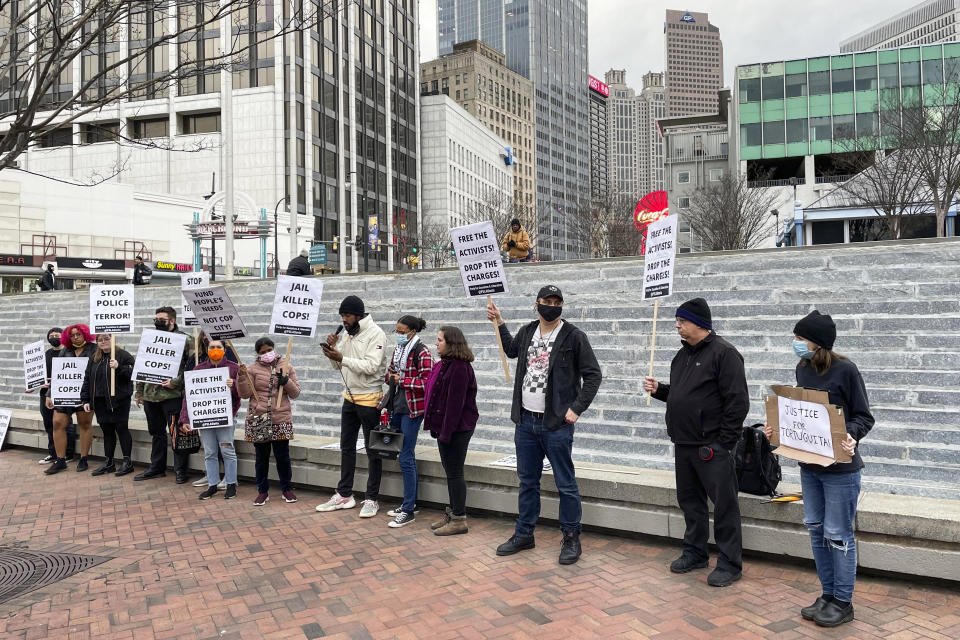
(436, 248)
(606, 224)
(730, 215)
(122, 49)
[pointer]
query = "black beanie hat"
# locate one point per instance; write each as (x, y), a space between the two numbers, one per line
(353, 305)
(515, 221)
(696, 311)
(817, 328)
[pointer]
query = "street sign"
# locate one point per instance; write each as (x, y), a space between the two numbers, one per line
(318, 254)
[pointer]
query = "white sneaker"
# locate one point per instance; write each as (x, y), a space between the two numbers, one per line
(369, 509)
(393, 513)
(222, 485)
(403, 519)
(47, 459)
(202, 482)
(337, 502)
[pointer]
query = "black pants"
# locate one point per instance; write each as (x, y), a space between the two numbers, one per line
(352, 418)
(716, 478)
(281, 453)
(452, 456)
(158, 418)
(114, 424)
(47, 415)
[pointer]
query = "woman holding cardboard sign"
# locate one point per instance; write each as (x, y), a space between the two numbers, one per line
(830, 493)
(112, 411)
(77, 342)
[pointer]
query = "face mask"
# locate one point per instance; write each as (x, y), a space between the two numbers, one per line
(402, 340)
(54, 342)
(549, 313)
(801, 350)
(161, 325)
(268, 357)
(215, 354)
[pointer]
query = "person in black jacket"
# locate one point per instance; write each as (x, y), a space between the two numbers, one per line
(112, 411)
(707, 402)
(830, 494)
(300, 266)
(77, 343)
(140, 270)
(53, 338)
(557, 378)
(48, 280)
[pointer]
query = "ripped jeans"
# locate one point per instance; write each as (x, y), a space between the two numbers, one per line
(219, 440)
(830, 506)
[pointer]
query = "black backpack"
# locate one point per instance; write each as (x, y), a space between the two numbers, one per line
(758, 468)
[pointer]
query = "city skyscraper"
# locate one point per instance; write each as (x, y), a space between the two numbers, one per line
(693, 59)
(599, 142)
(549, 47)
(635, 149)
(926, 23)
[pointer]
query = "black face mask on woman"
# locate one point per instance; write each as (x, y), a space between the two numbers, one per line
(54, 342)
(549, 313)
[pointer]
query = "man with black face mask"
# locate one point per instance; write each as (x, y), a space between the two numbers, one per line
(53, 338)
(557, 378)
(160, 401)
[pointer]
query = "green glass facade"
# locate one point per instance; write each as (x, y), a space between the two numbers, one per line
(809, 107)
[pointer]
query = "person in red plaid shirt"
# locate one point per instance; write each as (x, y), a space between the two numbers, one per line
(407, 373)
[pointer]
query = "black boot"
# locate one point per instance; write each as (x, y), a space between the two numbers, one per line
(58, 465)
(125, 467)
(808, 613)
(106, 467)
(834, 614)
(82, 465)
(570, 547)
(516, 544)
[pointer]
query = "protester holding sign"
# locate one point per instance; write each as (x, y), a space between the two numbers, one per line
(217, 441)
(162, 401)
(77, 342)
(269, 426)
(408, 370)
(558, 377)
(707, 402)
(112, 411)
(46, 413)
(830, 493)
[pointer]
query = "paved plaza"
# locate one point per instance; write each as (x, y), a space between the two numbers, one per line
(170, 566)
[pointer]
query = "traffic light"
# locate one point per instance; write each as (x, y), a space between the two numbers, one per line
(414, 250)
(336, 240)
(358, 244)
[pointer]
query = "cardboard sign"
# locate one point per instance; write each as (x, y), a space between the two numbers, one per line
(158, 356)
(5, 415)
(215, 311)
(478, 256)
(296, 306)
(660, 258)
(34, 366)
(209, 403)
(194, 280)
(806, 427)
(66, 381)
(111, 308)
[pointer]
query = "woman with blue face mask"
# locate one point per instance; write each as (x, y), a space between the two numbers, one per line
(830, 493)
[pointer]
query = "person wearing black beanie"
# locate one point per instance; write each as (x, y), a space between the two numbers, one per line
(830, 494)
(53, 338)
(707, 402)
(352, 305)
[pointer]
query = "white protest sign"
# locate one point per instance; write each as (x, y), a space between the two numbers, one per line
(111, 308)
(34, 366)
(209, 403)
(158, 356)
(659, 258)
(195, 280)
(5, 415)
(296, 306)
(478, 256)
(66, 381)
(805, 426)
(215, 311)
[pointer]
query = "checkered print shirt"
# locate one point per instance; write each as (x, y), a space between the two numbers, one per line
(415, 373)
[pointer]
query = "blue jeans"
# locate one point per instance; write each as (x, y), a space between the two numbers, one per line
(219, 440)
(829, 508)
(407, 458)
(533, 441)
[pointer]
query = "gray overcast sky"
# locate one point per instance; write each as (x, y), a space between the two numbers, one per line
(628, 34)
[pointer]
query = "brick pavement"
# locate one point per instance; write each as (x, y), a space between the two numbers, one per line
(182, 568)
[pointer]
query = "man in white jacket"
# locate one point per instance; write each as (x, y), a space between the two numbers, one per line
(359, 354)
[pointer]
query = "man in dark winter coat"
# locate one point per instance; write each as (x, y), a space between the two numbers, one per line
(300, 266)
(707, 402)
(557, 378)
(48, 280)
(140, 270)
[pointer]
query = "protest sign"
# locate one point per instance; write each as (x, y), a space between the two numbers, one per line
(215, 311)
(209, 403)
(194, 280)
(111, 308)
(34, 366)
(478, 255)
(158, 356)
(296, 306)
(66, 381)
(659, 258)
(5, 415)
(806, 427)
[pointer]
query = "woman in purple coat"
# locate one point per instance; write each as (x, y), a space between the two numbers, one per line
(450, 417)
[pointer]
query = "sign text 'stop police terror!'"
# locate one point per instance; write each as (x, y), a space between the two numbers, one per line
(296, 306)
(478, 256)
(218, 317)
(660, 258)
(111, 308)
